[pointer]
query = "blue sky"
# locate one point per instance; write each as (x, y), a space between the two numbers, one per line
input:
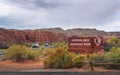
(37, 14)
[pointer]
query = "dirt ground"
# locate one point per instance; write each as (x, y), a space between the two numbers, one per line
(9, 66)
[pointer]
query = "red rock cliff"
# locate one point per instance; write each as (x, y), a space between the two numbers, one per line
(29, 36)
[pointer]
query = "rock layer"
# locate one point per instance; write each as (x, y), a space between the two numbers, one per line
(11, 36)
(30, 36)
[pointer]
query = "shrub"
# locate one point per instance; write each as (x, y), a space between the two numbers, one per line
(112, 59)
(46, 51)
(62, 45)
(28, 45)
(96, 57)
(33, 55)
(115, 42)
(72, 54)
(20, 53)
(113, 54)
(78, 61)
(58, 58)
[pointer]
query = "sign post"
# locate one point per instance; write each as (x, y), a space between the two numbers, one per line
(85, 45)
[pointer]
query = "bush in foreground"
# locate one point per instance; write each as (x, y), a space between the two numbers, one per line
(78, 61)
(96, 57)
(114, 54)
(20, 53)
(58, 58)
(33, 54)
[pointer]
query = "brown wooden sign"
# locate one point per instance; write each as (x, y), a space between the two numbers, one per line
(85, 44)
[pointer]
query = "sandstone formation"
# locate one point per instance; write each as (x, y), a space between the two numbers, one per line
(29, 36)
(11, 36)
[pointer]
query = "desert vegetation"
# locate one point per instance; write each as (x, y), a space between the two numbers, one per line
(20, 53)
(58, 56)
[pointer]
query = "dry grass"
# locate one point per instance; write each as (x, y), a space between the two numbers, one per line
(8, 65)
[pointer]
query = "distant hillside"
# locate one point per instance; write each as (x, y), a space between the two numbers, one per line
(48, 34)
(82, 32)
(113, 33)
(60, 30)
(85, 32)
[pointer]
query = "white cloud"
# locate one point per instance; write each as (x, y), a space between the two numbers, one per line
(4, 10)
(63, 13)
(112, 26)
(22, 17)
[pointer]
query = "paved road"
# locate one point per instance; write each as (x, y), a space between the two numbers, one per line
(60, 73)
